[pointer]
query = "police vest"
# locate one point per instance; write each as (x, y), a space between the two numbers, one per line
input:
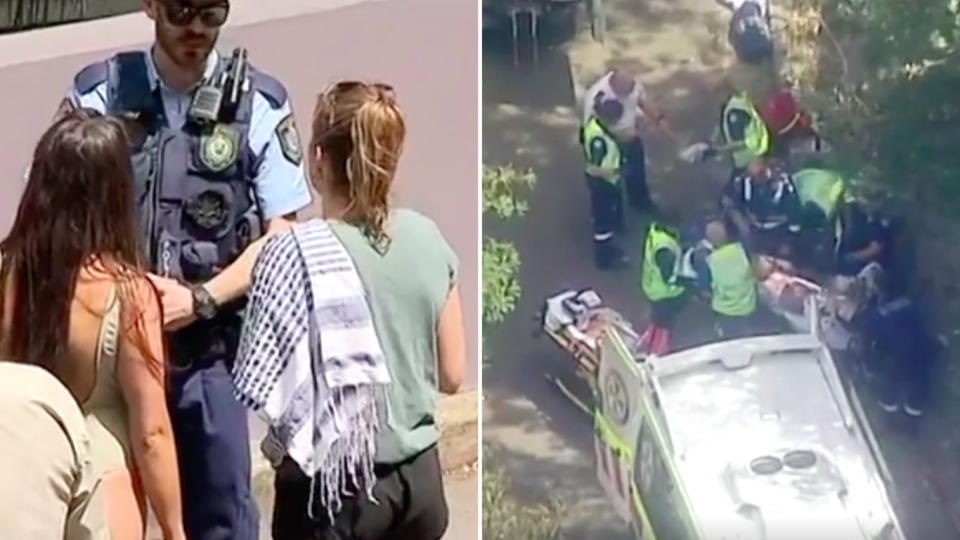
(609, 168)
(656, 286)
(820, 187)
(756, 137)
(734, 286)
(193, 186)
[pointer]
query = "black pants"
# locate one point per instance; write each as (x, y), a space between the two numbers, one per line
(728, 327)
(664, 312)
(410, 505)
(635, 175)
(903, 380)
(606, 206)
(606, 209)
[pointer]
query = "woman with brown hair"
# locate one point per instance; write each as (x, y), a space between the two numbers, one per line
(74, 300)
(382, 320)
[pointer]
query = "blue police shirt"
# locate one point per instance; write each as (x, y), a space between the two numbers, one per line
(280, 185)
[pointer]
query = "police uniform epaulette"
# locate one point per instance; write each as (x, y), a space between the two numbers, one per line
(89, 77)
(271, 88)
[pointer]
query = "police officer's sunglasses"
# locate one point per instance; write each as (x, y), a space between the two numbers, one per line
(180, 13)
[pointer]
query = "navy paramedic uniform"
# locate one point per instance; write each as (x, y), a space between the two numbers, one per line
(604, 171)
(772, 208)
(204, 189)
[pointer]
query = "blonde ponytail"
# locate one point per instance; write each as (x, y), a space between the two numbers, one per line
(377, 132)
(359, 130)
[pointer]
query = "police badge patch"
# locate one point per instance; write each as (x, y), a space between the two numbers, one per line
(290, 140)
(218, 150)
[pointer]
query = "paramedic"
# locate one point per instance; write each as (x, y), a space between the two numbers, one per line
(742, 132)
(620, 86)
(661, 284)
(604, 166)
(763, 205)
(728, 273)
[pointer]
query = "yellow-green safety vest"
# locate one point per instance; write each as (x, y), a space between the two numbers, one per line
(656, 286)
(756, 137)
(821, 187)
(609, 168)
(609, 436)
(733, 282)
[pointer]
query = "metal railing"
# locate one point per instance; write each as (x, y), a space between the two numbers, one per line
(20, 15)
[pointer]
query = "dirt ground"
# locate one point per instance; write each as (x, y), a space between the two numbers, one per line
(530, 116)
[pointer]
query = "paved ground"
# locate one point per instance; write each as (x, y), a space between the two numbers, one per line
(530, 119)
(462, 491)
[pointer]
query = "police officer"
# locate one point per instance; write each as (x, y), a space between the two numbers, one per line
(604, 166)
(860, 238)
(902, 349)
(728, 273)
(661, 284)
(217, 165)
(763, 206)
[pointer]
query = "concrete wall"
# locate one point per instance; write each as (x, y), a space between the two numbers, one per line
(427, 49)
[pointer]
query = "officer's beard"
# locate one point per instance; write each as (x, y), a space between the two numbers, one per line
(188, 51)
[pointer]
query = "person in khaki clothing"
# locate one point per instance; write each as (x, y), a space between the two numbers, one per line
(48, 490)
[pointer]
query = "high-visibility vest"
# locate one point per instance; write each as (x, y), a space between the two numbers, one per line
(734, 285)
(609, 168)
(756, 137)
(821, 187)
(657, 286)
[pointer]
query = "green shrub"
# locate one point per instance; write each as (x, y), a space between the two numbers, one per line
(506, 519)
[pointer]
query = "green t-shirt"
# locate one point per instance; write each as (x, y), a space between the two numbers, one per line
(406, 286)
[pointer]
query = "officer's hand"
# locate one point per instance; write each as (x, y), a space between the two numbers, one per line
(177, 300)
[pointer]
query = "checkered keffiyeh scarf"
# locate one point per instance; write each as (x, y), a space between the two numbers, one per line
(310, 363)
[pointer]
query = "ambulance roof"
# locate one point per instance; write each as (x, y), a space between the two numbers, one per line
(736, 410)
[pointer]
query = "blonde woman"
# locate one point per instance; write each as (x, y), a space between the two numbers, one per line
(376, 288)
